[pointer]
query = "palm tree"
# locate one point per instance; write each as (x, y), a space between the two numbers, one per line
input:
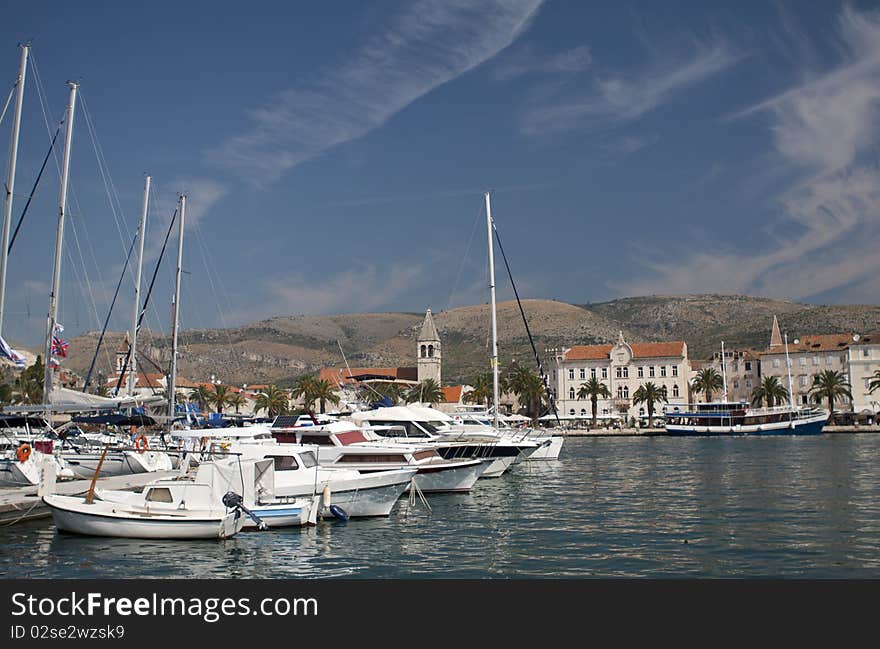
(483, 391)
(771, 391)
(304, 386)
(273, 400)
(236, 400)
(707, 381)
(528, 388)
(372, 392)
(425, 392)
(874, 382)
(649, 394)
(201, 396)
(219, 397)
(830, 385)
(593, 390)
(323, 391)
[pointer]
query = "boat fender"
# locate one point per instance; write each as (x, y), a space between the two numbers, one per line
(338, 512)
(140, 443)
(23, 453)
(326, 496)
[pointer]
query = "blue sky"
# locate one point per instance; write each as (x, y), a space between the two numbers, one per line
(334, 156)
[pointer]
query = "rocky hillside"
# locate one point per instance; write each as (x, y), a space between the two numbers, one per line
(280, 349)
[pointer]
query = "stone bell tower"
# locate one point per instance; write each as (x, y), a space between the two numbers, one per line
(429, 350)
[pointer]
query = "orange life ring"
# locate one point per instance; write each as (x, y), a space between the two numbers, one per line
(23, 452)
(140, 443)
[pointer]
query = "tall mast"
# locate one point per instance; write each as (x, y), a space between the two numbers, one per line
(788, 368)
(494, 317)
(59, 240)
(175, 319)
(723, 373)
(132, 355)
(10, 178)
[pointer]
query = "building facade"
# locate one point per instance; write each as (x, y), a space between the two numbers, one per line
(742, 371)
(428, 350)
(622, 368)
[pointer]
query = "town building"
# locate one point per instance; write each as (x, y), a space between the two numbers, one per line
(741, 370)
(429, 351)
(622, 367)
(863, 361)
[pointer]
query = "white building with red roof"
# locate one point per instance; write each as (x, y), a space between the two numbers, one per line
(622, 367)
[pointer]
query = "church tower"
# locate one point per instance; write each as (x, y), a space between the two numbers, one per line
(428, 349)
(775, 336)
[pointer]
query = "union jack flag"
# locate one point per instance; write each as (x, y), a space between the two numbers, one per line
(59, 347)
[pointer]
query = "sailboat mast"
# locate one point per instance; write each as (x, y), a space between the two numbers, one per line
(788, 368)
(495, 396)
(132, 372)
(59, 241)
(724, 372)
(10, 177)
(175, 320)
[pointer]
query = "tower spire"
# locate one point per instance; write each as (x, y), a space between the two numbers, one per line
(775, 336)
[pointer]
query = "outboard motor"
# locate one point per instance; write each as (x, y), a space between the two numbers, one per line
(233, 501)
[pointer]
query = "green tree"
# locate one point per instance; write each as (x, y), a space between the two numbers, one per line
(528, 388)
(874, 382)
(649, 394)
(30, 383)
(218, 396)
(830, 385)
(425, 392)
(707, 381)
(483, 391)
(273, 400)
(201, 396)
(593, 390)
(323, 392)
(236, 400)
(770, 391)
(305, 386)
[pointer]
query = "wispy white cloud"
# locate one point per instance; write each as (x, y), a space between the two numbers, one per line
(631, 143)
(526, 61)
(362, 288)
(431, 43)
(821, 128)
(202, 194)
(621, 98)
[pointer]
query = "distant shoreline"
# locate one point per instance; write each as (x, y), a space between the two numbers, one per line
(661, 432)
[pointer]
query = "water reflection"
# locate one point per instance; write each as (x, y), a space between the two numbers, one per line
(655, 507)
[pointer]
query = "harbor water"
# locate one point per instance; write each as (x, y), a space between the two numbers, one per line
(793, 507)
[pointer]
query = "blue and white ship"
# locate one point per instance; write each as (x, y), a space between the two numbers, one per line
(738, 418)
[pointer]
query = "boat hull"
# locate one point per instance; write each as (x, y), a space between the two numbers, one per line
(71, 515)
(117, 463)
(497, 467)
(811, 426)
(548, 451)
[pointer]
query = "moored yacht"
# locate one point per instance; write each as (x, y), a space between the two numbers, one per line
(738, 418)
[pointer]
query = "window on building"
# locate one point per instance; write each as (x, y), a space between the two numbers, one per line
(748, 366)
(662, 370)
(651, 371)
(675, 390)
(604, 372)
(424, 351)
(592, 372)
(430, 351)
(775, 362)
(604, 411)
(804, 399)
(619, 372)
(571, 393)
(583, 373)
(583, 412)
(866, 353)
(626, 372)
(735, 384)
(626, 392)
(571, 374)
(620, 392)
(571, 412)
(554, 375)
(641, 412)
(675, 370)
(748, 383)
(803, 381)
(641, 372)
(803, 361)
(815, 360)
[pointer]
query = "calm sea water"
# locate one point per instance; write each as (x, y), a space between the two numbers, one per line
(610, 507)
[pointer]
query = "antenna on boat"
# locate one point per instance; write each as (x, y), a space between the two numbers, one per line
(723, 373)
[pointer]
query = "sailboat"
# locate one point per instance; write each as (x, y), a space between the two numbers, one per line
(549, 446)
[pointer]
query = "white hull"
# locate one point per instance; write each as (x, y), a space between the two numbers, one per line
(548, 451)
(293, 514)
(497, 467)
(368, 495)
(72, 514)
(459, 479)
(117, 463)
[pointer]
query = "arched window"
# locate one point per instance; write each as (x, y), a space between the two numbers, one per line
(571, 393)
(626, 392)
(675, 390)
(430, 351)
(571, 412)
(423, 352)
(583, 412)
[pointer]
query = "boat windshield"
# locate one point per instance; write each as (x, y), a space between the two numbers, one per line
(308, 459)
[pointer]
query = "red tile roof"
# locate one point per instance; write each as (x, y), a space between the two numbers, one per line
(817, 343)
(640, 350)
(452, 393)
